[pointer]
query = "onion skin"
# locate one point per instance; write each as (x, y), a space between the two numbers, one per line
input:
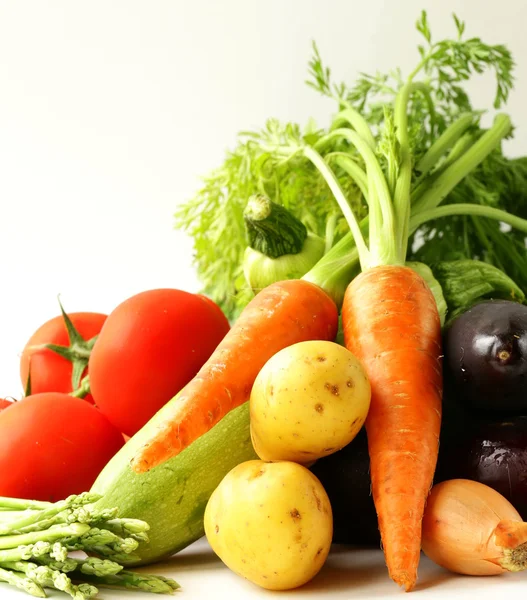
(471, 529)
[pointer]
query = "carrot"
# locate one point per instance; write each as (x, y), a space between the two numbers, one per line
(392, 325)
(390, 321)
(389, 317)
(280, 315)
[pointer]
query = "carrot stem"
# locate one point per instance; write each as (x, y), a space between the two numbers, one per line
(448, 180)
(357, 122)
(477, 210)
(333, 183)
(444, 143)
(404, 179)
(355, 171)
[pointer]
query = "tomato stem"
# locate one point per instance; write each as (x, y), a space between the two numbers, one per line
(83, 390)
(77, 352)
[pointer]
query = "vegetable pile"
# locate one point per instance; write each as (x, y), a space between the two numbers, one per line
(118, 369)
(361, 348)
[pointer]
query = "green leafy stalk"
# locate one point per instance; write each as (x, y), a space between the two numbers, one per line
(214, 217)
(350, 116)
(427, 275)
(334, 185)
(465, 282)
(451, 176)
(445, 142)
(350, 166)
(468, 209)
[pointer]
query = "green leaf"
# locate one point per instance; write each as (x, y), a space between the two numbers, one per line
(460, 26)
(77, 352)
(73, 335)
(258, 163)
(423, 28)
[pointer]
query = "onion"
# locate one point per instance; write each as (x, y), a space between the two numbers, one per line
(470, 528)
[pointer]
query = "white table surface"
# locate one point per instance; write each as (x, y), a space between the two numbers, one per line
(353, 574)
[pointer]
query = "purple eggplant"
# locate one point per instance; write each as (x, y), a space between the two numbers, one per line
(486, 357)
(345, 476)
(490, 451)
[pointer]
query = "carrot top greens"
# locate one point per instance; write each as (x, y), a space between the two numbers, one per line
(398, 147)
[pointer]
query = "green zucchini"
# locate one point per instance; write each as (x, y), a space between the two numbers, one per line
(271, 229)
(280, 246)
(172, 497)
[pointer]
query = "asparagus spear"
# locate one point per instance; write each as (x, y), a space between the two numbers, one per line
(22, 583)
(66, 566)
(36, 537)
(119, 557)
(59, 552)
(100, 567)
(25, 552)
(82, 514)
(50, 511)
(133, 528)
(47, 577)
(53, 533)
(136, 581)
(22, 504)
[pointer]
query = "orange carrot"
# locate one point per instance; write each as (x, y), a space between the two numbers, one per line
(280, 315)
(389, 316)
(391, 324)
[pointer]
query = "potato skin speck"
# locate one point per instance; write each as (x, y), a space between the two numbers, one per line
(319, 402)
(289, 504)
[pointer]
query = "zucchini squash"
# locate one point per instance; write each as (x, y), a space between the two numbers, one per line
(280, 246)
(172, 497)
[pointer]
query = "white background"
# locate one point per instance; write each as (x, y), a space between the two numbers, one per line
(111, 110)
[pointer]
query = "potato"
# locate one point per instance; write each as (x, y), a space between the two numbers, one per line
(308, 401)
(270, 523)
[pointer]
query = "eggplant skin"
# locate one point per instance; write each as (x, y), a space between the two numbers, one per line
(486, 356)
(345, 476)
(491, 451)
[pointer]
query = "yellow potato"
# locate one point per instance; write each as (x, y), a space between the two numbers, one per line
(308, 401)
(270, 523)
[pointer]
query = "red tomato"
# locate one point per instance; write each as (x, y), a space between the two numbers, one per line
(150, 346)
(53, 445)
(5, 403)
(49, 371)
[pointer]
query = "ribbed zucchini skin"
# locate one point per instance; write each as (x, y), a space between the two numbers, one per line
(271, 229)
(172, 497)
